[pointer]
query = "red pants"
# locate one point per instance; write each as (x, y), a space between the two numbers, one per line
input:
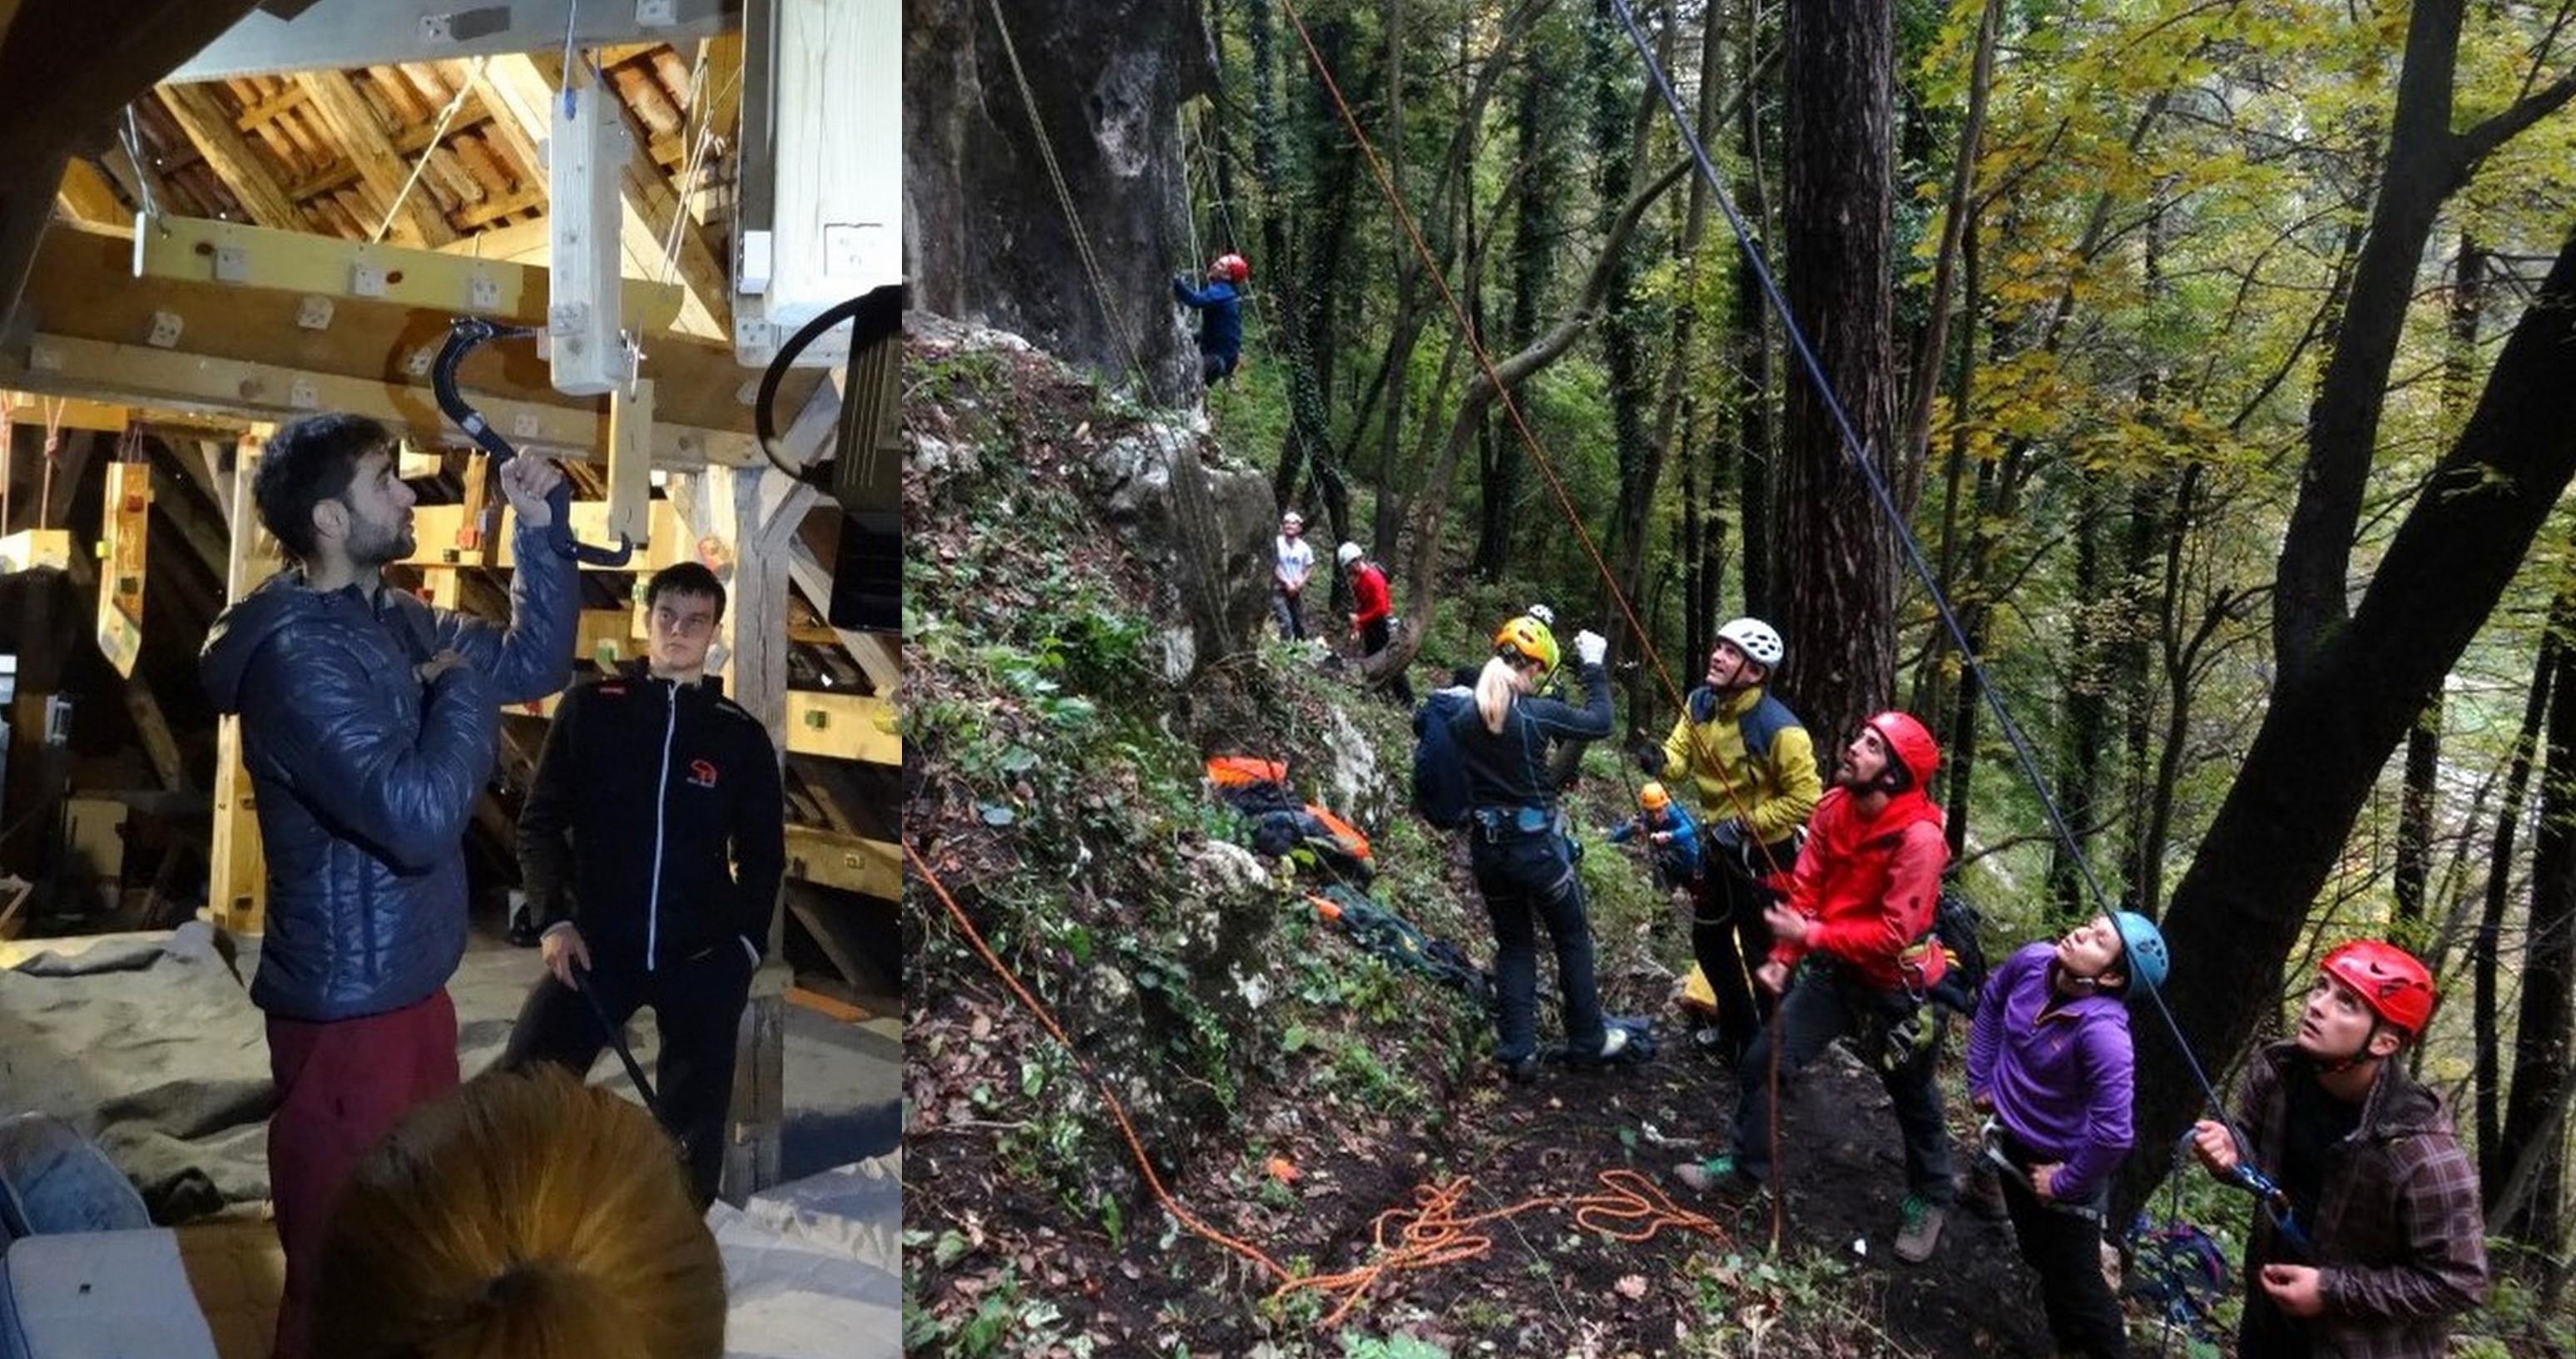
(341, 1086)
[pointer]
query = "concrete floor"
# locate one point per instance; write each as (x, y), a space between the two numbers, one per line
(843, 1095)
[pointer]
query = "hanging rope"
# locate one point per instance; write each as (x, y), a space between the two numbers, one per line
(1189, 487)
(53, 457)
(437, 134)
(1858, 455)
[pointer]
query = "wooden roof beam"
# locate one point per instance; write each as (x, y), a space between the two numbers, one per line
(210, 128)
(352, 120)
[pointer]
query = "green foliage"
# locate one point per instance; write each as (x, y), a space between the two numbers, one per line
(1357, 1346)
(1001, 1321)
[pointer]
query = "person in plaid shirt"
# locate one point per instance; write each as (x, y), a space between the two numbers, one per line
(2383, 1241)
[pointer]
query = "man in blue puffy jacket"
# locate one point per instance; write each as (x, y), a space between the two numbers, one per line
(369, 722)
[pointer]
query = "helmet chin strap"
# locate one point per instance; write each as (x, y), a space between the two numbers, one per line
(2359, 1055)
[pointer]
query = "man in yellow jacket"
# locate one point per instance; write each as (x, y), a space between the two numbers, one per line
(1755, 769)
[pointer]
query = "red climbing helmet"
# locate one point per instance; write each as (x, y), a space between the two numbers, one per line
(1911, 747)
(1232, 267)
(2392, 982)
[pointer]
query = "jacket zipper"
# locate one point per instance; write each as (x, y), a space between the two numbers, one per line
(661, 814)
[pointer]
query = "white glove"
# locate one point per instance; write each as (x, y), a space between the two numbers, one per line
(1591, 646)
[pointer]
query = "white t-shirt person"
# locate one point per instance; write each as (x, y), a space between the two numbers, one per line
(1294, 559)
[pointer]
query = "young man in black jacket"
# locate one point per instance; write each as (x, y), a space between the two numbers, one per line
(651, 846)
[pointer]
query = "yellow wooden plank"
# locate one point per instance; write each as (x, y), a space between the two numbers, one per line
(30, 549)
(871, 867)
(438, 536)
(843, 726)
(833, 726)
(192, 249)
(630, 462)
(63, 364)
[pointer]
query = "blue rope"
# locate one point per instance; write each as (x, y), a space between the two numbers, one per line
(1922, 566)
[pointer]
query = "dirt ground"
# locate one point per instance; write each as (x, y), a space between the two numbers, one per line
(1543, 1284)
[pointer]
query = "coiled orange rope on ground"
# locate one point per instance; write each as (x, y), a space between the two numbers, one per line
(1429, 1233)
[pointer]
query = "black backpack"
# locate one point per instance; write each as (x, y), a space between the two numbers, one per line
(1441, 793)
(1954, 928)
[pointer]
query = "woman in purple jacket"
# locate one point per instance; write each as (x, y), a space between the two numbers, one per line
(2049, 1059)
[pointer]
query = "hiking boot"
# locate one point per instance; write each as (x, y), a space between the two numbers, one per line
(1717, 1175)
(523, 929)
(1520, 1070)
(1918, 1228)
(1982, 1191)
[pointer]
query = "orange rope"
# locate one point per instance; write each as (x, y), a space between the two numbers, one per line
(1117, 1111)
(1502, 390)
(1432, 1232)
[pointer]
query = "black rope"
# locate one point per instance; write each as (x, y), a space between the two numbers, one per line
(1904, 533)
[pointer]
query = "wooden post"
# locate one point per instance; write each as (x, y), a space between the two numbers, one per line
(237, 882)
(743, 520)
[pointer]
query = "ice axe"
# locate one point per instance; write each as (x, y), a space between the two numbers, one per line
(463, 335)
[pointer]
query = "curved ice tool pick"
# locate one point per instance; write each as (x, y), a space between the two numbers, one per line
(462, 336)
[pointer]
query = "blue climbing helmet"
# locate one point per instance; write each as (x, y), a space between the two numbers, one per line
(2144, 947)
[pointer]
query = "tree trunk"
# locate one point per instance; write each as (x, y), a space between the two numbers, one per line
(2534, 1136)
(1626, 320)
(2417, 801)
(2495, 1167)
(2350, 681)
(2332, 724)
(1839, 186)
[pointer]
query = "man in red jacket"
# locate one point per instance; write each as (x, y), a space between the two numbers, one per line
(1374, 621)
(1859, 916)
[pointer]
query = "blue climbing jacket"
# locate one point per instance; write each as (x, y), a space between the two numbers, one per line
(1220, 316)
(1679, 857)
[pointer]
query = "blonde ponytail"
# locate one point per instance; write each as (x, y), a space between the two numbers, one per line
(1496, 689)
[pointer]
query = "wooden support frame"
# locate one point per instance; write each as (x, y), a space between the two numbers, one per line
(210, 128)
(197, 250)
(415, 217)
(848, 862)
(237, 876)
(524, 89)
(189, 381)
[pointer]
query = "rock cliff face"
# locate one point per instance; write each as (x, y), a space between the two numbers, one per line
(985, 230)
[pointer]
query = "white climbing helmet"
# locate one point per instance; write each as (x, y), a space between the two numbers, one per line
(1756, 639)
(1347, 553)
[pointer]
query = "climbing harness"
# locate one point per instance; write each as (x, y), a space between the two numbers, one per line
(2181, 1273)
(463, 336)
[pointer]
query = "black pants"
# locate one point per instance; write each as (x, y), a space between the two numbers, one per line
(1729, 939)
(1528, 881)
(1290, 610)
(1214, 367)
(2063, 1246)
(1823, 1005)
(697, 1004)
